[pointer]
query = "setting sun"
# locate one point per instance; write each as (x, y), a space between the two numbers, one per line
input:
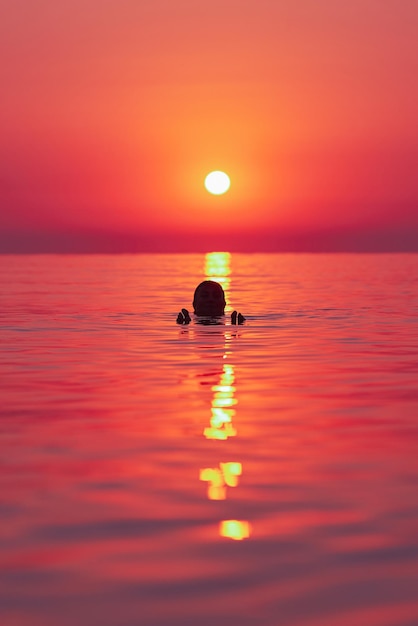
(217, 182)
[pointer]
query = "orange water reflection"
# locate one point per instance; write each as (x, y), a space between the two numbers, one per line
(102, 510)
(221, 427)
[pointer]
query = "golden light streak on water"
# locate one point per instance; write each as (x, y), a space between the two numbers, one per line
(221, 416)
(230, 472)
(218, 478)
(218, 268)
(216, 483)
(221, 426)
(235, 529)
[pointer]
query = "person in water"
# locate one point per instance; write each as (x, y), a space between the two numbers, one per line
(209, 301)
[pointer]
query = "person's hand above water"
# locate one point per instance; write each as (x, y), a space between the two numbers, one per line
(237, 318)
(183, 317)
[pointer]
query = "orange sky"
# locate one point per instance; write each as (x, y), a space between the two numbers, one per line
(114, 111)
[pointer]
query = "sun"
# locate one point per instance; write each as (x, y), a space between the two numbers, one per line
(217, 182)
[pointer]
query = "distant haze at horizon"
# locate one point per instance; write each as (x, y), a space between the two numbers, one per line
(379, 241)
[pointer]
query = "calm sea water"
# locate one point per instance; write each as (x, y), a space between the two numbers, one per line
(159, 475)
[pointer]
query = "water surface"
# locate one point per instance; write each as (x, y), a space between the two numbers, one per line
(164, 475)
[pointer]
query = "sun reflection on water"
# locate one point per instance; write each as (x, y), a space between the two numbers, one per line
(234, 529)
(218, 268)
(218, 478)
(221, 428)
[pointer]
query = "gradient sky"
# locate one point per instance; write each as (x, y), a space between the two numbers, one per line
(113, 112)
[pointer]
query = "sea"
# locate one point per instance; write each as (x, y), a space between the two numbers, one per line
(157, 474)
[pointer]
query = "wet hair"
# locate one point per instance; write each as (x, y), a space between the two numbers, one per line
(205, 283)
(200, 306)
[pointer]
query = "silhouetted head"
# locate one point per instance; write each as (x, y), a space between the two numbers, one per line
(209, 299)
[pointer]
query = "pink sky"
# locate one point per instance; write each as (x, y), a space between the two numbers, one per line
(114, 111)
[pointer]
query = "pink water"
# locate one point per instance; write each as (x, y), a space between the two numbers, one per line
(159, 475)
